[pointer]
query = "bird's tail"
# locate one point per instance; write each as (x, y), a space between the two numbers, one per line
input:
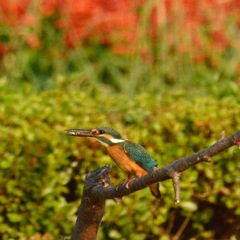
(155, 190)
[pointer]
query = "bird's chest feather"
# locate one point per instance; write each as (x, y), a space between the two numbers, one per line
(124, 162)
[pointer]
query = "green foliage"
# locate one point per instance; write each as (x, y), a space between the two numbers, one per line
(42, 171)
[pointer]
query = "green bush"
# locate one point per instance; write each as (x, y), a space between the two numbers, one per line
(42, 171)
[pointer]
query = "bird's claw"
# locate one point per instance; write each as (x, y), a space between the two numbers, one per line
(126, 181)
(127, 184)
(106, 185)
(121, 183)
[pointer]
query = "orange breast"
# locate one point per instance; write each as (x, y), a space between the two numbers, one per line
(124, 162)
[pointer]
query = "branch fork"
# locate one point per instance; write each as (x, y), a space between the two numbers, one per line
(175, 175)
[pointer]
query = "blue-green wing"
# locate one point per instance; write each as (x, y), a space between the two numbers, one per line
(138, 154)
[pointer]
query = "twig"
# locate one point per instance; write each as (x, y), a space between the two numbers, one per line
(181, 229)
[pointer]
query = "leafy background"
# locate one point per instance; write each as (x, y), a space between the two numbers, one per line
(164, 74)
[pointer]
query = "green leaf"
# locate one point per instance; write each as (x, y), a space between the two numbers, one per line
(14, 217)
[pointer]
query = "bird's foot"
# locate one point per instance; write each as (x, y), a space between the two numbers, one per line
(126, 181)
(105, 184)
(121, 183)
(130, 180)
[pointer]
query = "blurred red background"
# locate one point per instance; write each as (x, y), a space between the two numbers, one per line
(118, 24)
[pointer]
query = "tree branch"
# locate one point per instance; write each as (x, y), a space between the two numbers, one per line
(92, 209)
(97, 188)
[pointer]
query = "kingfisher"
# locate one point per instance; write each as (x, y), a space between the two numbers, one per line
(132, 158)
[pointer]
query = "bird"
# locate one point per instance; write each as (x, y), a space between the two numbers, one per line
(130, 157)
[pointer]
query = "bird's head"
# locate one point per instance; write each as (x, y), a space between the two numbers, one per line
(105, 135)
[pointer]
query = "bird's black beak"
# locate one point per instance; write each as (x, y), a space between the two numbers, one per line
(82, 133)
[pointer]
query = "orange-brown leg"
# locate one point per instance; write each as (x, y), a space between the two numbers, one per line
(126, 181)
(136, 175)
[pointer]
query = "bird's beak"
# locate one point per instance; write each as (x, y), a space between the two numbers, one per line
(80, 133)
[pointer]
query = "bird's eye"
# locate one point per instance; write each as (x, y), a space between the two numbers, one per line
(101, 131)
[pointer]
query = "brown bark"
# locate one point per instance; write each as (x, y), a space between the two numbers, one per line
(92, 209)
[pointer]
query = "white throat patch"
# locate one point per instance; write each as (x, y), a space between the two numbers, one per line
(110, 139)
(115, 140)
